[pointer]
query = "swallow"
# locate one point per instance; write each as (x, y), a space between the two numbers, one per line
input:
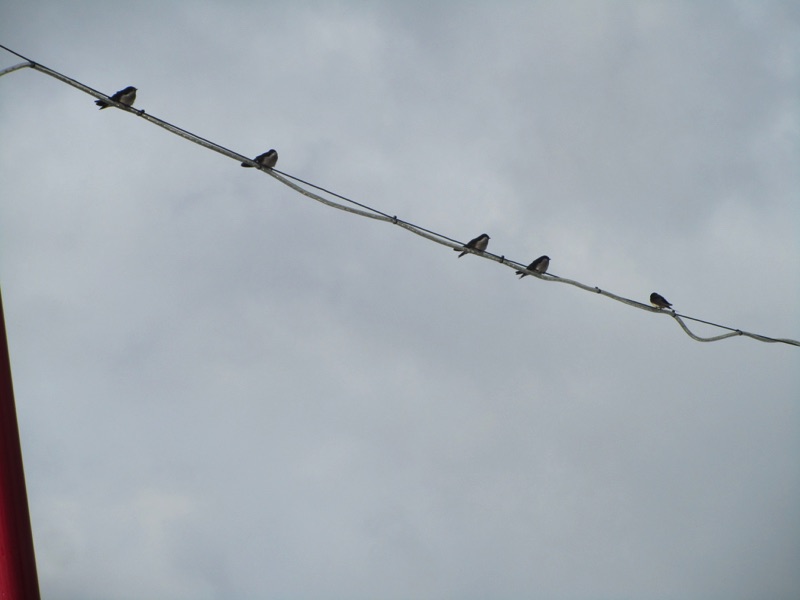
(538, 266)
(479, 244)
(269, 159)
(659, 301)
(126, 97)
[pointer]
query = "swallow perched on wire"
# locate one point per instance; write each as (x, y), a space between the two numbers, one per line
(659, 301)
(126, 97)
(538, 266)
(269, 159)
(479, 244)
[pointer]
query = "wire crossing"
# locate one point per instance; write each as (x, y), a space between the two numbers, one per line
(364, 210)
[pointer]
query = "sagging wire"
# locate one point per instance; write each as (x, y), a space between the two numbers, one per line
(364, 210)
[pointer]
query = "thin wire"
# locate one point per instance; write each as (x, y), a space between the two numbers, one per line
(364, 210)
(322, 189)
(375, 210)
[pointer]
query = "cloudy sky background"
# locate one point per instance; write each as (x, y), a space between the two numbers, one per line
(226, 390)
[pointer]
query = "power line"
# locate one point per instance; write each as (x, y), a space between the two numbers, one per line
(364, 210)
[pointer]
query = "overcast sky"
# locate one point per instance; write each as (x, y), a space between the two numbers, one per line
(227, 390)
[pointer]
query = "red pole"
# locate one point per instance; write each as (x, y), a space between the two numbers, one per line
(18, 580)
